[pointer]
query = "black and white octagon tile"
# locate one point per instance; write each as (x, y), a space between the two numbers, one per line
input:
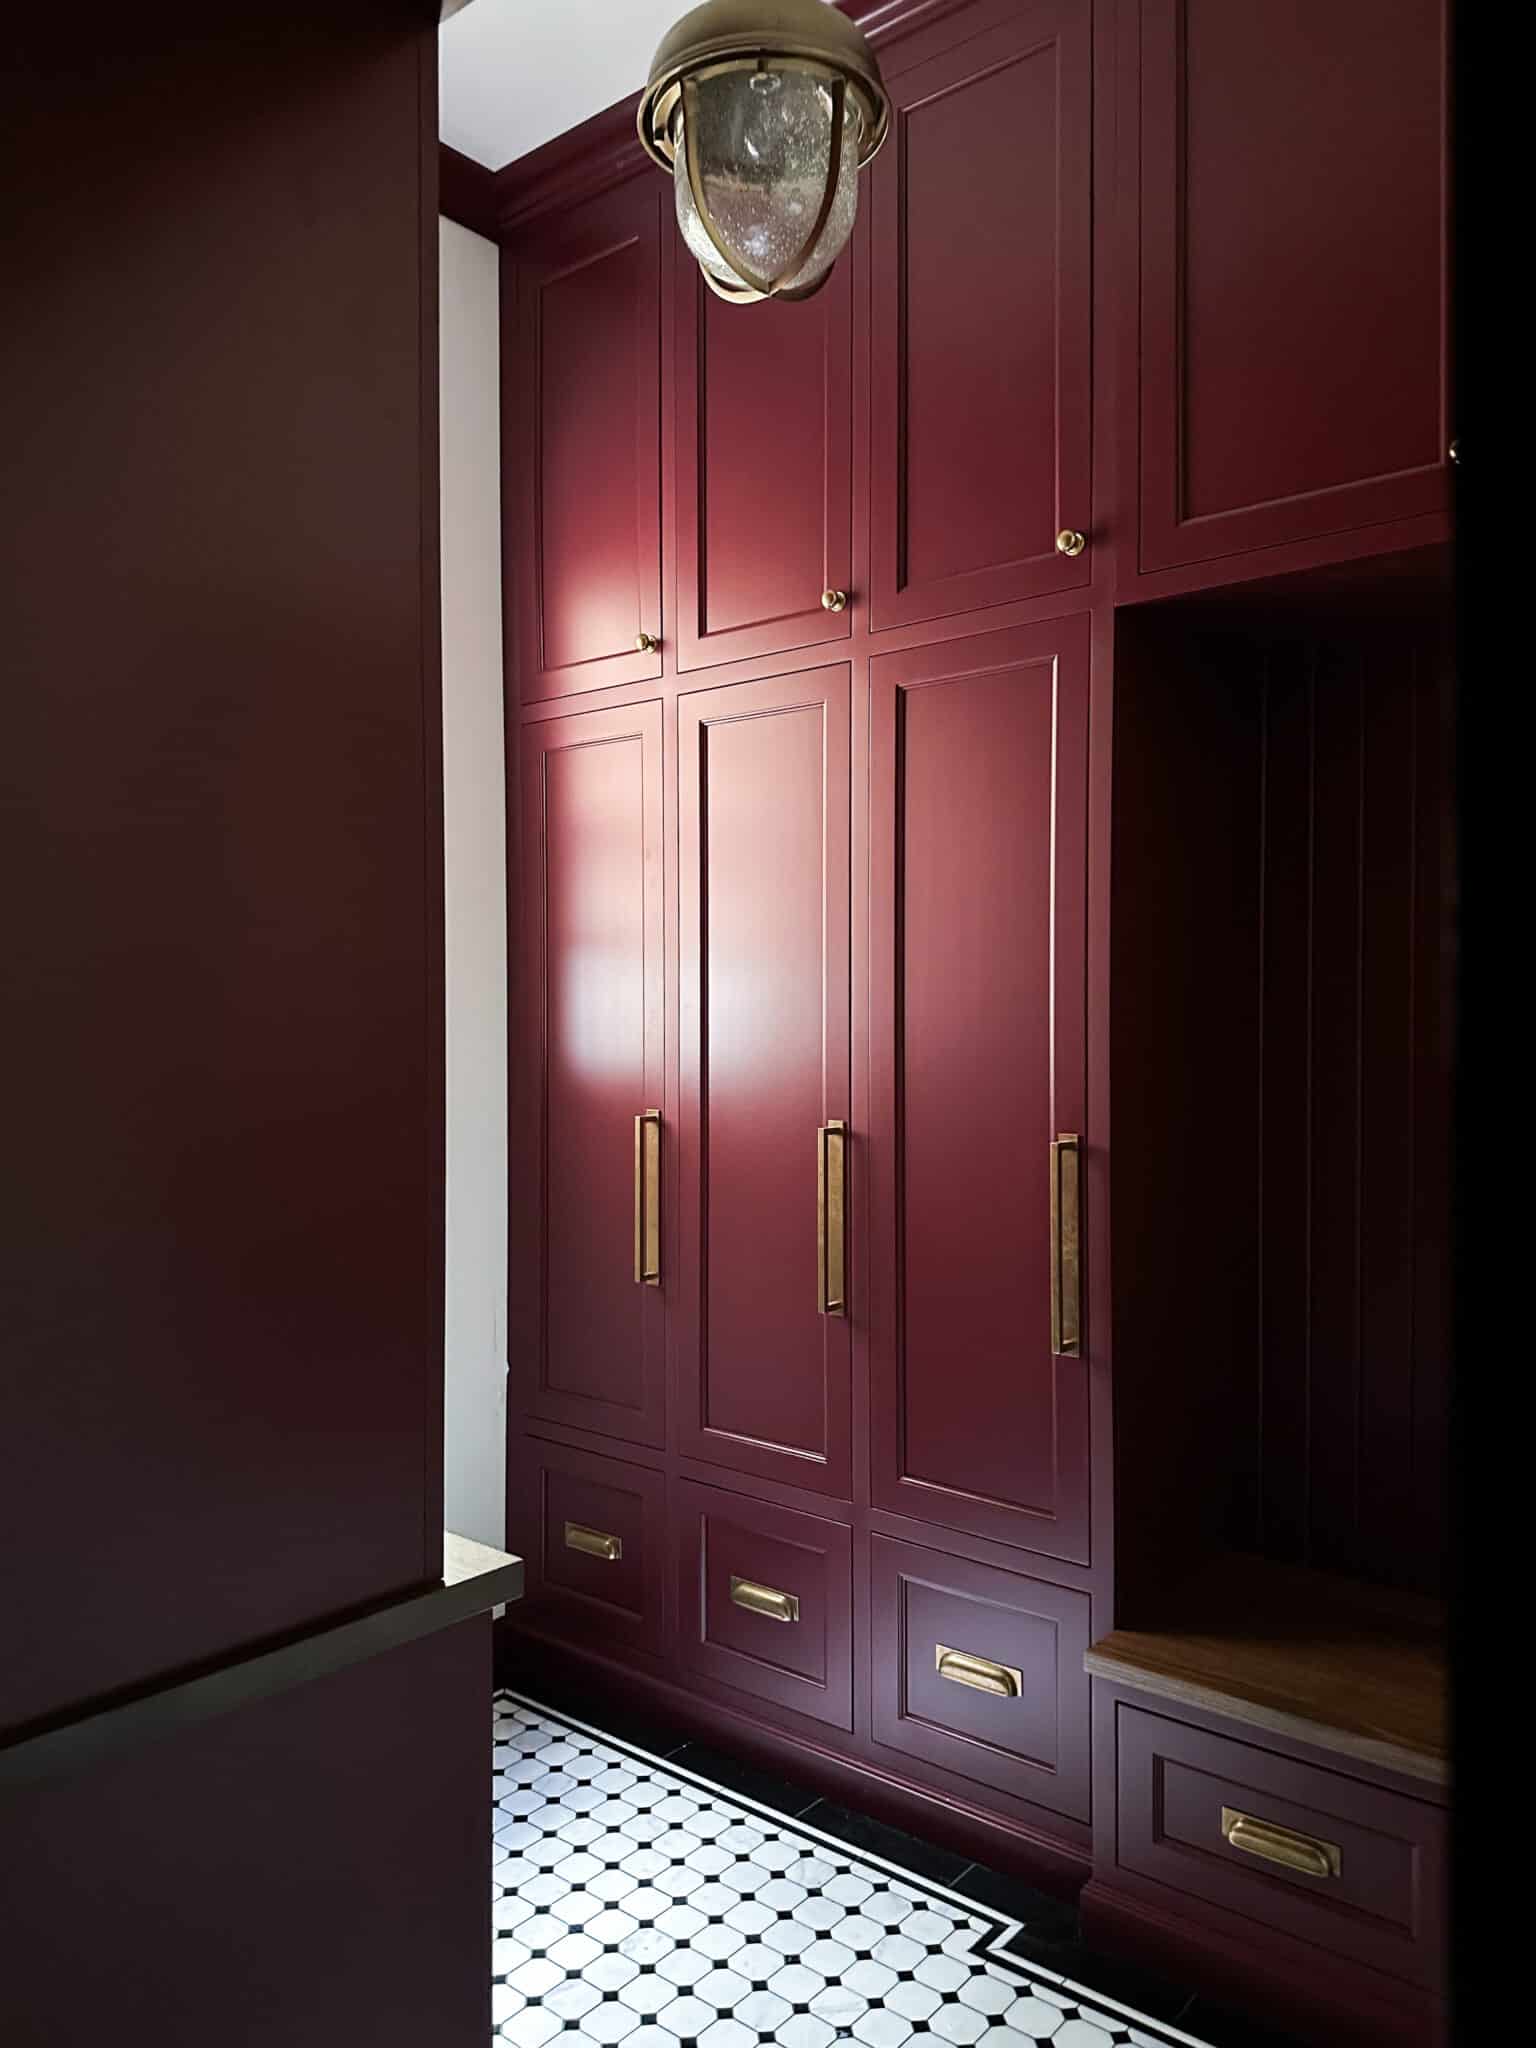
(636, 1903)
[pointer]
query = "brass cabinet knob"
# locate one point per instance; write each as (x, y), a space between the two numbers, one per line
(834, 600)
(646, 643)
(1070, 543)
(1453, 453)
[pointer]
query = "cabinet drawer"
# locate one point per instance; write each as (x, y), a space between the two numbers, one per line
(1354, 1868)
(765, 1600)
(980, 1671)
(600, 1541)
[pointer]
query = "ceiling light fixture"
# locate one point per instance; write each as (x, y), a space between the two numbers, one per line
(764, 112)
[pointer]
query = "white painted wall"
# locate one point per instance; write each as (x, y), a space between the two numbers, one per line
(474, 861)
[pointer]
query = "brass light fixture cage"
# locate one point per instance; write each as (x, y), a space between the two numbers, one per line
(763, 35)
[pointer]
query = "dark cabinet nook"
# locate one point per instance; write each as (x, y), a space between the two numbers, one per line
(984, 884)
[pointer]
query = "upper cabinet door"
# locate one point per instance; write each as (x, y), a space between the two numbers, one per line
(763, 1035)
(590, 1346)
(978, 863)
(981, 208)
(1293, 340)
(764, 470)
(584, 385)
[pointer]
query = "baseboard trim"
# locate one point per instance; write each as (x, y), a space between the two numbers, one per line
(526, 1655)
(1282, 1983)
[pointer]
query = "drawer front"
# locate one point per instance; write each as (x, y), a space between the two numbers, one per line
(765, 1599)
(600, 1542)
(980, 1671)
(1354, 1868)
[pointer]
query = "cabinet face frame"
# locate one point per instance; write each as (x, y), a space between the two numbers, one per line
(701, 317)
(1156, 184)
(1056, 657)
(1020, 34)
(597, 231)
(641, 1420)
(827, 1469)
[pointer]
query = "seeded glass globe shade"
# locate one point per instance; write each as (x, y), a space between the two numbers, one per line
(764, 111)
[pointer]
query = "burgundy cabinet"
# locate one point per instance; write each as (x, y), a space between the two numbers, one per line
(763, 996)
(591, 1350)
(981, 1672)
(583, 402)
(1292, 271)
(764, 470)
(978, 794)
(765, 1600)
(593, 1530)
(981, 215)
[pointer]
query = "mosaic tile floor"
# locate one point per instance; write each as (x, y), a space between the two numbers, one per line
(635, 1902)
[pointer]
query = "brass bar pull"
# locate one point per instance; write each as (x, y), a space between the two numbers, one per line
(831, 1218)
(648, 1198)
(764, 1600)
(1066, 1240)
(1306, 1853)
(593, 1542)
(980, 1673)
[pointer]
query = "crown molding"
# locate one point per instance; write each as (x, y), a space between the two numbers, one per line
(605, 150)
(466, 191)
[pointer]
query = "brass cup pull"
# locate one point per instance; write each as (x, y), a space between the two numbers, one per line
(1069, 542)
(831, 1218)
(648, 1198)
(593, 1542)
(765, 1600)
(1309, 1854)
(646, 643)
(1066, 1242)
(1003, 1681)
(834, 600)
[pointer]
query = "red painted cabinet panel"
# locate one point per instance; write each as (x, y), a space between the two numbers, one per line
(977, 961)
(763, 820)
(764, 470)
(591, 1351)
(584, 391)
(765, 1600)
(1380, 1903)
(594, 1531)
(981, 216)
(938, 1624)
(1292, 271)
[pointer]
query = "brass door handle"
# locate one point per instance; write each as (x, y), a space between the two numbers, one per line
(1309, 1854)
(834, 600)
(1066, 1242)
(1069, 542)
(765, 1600)
(593, 1542)
(831, 1218)
(1003, 1681)
(648, 1198)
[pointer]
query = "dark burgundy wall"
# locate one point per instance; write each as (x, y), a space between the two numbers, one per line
(312, 1869)
(220, 1264)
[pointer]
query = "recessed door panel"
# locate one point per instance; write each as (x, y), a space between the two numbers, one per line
(981, 211)
(764, 470)
(1300, 260)
(979, 762)
(593, 1353)
(585, 387)
(764, 1035)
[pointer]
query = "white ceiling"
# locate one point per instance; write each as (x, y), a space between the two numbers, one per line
(515, 73)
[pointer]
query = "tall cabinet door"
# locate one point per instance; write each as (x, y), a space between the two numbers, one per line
(591, 1347)
(764, 470)
(1299, 263)
(763, 1033)
(981, 208)
(979, 753)
(583, 387)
